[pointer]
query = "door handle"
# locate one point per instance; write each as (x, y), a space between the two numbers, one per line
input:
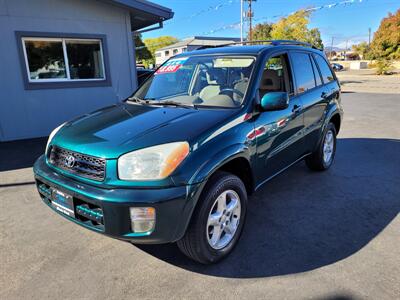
(324, 95)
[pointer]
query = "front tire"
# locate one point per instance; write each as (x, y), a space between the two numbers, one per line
(324, 155)
(218, 220)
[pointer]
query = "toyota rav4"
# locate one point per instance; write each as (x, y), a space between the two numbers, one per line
(177, 160)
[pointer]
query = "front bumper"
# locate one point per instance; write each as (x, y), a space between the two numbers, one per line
(173, 205)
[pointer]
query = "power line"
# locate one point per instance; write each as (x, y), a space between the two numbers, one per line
(258, 20)
(204, 11)
(240, 23)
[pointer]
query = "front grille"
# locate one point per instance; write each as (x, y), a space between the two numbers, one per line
(77, 163)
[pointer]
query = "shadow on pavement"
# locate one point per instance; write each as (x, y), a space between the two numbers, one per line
(349, 81)
(303, 220)
(20, 154)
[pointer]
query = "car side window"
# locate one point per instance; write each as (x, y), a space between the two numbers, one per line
(303, 71)
(276, 76)
(326, 71)
(317, 74)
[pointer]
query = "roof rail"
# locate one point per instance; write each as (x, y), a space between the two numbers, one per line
(271, 42)
(277, 43)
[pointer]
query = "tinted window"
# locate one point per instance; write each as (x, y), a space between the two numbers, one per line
(325, 70)
(303, 72)
(317, 75)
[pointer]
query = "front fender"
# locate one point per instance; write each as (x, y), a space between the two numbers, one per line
(199, 180)
(219, 159)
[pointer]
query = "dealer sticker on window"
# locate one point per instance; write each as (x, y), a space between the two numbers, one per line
(172, 65)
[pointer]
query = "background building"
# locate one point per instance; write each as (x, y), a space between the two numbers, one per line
(61, 59)
(190, 44)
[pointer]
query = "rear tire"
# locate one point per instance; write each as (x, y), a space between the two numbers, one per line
(323, 157)
(214, 228)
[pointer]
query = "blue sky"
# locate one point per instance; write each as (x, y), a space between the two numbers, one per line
(342, 22)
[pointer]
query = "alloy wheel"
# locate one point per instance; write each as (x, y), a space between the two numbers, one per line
(223, 219)
(328, 147)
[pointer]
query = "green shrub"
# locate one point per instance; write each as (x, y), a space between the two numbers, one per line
(384, 66)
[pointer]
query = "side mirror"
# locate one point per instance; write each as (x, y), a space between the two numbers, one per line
(275, 101)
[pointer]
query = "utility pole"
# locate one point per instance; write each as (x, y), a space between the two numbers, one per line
(250, 22)
(330, 56)
(345, 50)
(241, 21)
(250, 16)
(369, 43)
(369, 37)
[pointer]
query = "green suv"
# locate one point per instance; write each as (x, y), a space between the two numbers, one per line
(177, 160)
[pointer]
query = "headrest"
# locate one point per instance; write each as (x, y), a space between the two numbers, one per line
(215, 76)
(270, 80)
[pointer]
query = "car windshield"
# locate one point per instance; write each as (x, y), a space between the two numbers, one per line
(219, 81)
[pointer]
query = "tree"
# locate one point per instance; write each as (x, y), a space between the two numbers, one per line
(154, 44)
(142, 53)
(386, 41)
(362, 49)
(295, 27)
(262, 31)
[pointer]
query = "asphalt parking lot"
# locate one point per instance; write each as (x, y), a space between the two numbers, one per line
(332, 235)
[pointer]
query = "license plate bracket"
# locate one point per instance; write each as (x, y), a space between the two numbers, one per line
(62, 202)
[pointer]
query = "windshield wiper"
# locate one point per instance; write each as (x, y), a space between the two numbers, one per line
(174, 103)
(136, 99)
(139, 100)
(152, 101)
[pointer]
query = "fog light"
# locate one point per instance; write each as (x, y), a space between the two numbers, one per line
(143, 219)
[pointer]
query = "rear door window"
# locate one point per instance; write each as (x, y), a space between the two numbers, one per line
(303, 71)
(318, 79)
(326, 71)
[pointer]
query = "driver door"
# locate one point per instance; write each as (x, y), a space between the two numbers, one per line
(279, 133)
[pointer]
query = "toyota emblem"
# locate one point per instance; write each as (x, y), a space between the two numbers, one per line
(70, 161)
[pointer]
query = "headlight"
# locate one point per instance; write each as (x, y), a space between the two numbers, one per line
(152, 163)
(52, 134)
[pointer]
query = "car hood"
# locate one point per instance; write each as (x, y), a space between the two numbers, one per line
(118, 129)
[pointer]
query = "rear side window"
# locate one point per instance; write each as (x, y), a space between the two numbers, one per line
(303, 71)
(324, 68)
(318, 79)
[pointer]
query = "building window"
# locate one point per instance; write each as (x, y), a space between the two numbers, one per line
(167, 53)
(184, 49)
(175, 51)
(158, 54)
(62, 59)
